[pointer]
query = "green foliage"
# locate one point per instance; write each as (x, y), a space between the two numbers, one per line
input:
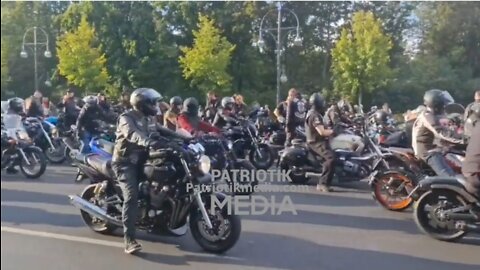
(81, 63)
(361, 57)
(206, 63)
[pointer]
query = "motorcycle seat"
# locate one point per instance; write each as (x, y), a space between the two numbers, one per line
(102, 164)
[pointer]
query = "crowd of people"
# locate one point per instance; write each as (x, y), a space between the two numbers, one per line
(136, 112)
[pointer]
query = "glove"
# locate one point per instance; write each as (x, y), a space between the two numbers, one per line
(155, 144)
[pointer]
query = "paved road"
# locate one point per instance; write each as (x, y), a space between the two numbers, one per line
(342, 230)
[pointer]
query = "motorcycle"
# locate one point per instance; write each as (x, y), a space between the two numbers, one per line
(166, 203)
(353, 158)
(446, 211)
(40, 132)
(245, 143)
(17, 149)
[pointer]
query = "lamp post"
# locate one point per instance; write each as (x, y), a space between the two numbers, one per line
(35, 44)
(281, 77)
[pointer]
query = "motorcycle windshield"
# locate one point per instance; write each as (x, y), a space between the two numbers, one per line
(14, 126)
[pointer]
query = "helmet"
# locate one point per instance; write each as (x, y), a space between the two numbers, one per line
(15, 104)
(90, 100)
(145, 100)
(228, 102)
(317, 102)
(436, 100)
(176, 101)
(380, 117)
(190, 106)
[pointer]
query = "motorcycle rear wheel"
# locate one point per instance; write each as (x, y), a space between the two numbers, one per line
(95, 224)
(430, 223)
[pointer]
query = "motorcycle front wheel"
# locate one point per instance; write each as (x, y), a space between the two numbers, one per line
(224, 234)
(430, 218)
(263, 158)
(57, 155)
(391, 191)
(37, 160)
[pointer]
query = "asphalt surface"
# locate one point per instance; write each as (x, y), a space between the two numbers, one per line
(341, 230)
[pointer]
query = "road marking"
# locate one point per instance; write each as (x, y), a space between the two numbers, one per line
(96, 241)
(62, 237)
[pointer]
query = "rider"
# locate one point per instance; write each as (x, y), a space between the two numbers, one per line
(427, 129)
(190, 121)
(129, 151)
(15, 108)
(34, 106)
(170, 118)
(471, 163)
(317, 140)
(226, 114)
(211, 106)
(86, 122)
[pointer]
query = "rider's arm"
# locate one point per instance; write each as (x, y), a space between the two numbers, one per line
(206, 127)
(437, 132)
(127, 127)
(320, 127)
(183, 123)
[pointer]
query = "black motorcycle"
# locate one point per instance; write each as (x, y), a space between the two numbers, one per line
(245, 142)
(446, 211)
(303, 163)
(166, 199)
(19, 151)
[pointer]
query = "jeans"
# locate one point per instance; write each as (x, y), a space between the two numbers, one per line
(328, 161)
(127, 176)
(439, 165)
(85, 137)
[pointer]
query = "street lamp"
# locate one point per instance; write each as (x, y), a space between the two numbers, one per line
(281, 77)
(35, 44)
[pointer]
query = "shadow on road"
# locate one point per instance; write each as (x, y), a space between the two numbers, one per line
(300, 254)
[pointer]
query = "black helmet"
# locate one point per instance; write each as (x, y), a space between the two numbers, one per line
(145, 100)
(380, 117)
(190, 106)
(90, 101)
(228, 102)
(317, 102)
(436, 100)
(15, 105)
(176, 101)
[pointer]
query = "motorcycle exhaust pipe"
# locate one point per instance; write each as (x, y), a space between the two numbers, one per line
(468, 227)
(312, 174)
(93, 210)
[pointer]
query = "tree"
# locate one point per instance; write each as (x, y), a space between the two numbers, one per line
(82, 64)
(361, 57)
(206, 63)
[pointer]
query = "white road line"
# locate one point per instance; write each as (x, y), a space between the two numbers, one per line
(95, 241)
(62, 237)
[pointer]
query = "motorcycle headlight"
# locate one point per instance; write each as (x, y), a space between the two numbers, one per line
(230, 145)
(204, 164)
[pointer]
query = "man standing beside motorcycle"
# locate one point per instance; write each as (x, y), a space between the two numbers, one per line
(294, 115)
(130, 150)
(427, 129)
(317, 140)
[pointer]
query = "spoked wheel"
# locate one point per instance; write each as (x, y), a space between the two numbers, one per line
(94, 223)
(391, 191)
(37, 162)
(56, 155)
(224, 234)
(263, 158)
(431, 217)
